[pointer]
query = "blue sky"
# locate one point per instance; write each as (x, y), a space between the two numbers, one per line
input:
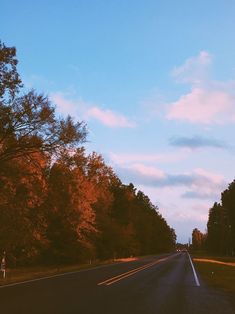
(155, 81)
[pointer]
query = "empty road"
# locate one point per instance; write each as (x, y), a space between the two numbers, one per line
(162, 284)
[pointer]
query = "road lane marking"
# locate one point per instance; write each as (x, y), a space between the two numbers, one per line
(194, 272)
(129, 273)
(126, 274)
(132, 273)
(57, 275)
(18, 283)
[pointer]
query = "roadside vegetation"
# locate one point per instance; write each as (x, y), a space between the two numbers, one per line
(58, 204)
(219, 240)
(218, 272)
(20, 274)
(214, 251)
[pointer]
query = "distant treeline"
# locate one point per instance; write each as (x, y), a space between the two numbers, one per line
(57, 203)
(220, 236)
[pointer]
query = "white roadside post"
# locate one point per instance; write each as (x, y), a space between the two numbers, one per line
(3, 265)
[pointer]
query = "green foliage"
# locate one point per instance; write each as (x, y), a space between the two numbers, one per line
(221, 224)
(228, 202)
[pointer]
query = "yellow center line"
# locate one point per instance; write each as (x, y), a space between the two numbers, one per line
(112, 280)
(123, 274)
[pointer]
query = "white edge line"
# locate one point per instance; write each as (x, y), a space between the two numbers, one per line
(39, 279)
(57, 275)
(194, 272)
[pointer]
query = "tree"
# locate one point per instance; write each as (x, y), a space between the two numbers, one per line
(10, 81)
(33, 136)
(58, 204)
(218, 230)
(70, 216)
(221, 224)
(228, 202)
(28, 123)
(197, 239)
(23, 189)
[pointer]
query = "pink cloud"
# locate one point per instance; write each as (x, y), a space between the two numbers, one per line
(84, 110)
(167, 157)
(197, 184)
(65, 106)
(148, 171)
(194, 70)
(209, 101)
(203, 106)
(109, 118)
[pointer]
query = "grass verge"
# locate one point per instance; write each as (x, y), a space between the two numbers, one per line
(218, 275)
(20, 274)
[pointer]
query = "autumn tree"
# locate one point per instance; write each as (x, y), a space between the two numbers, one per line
(29, 125)
(57, 203)
(23, 188)
(71, 218)
(198, 239)
(10, 81)
(28, 122)
(31, 134)
(104, 180)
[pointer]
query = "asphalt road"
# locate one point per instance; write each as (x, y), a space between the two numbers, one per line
(163, 284)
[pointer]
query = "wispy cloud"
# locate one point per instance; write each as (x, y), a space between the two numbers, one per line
(65, 106)
(199, 183)
(196, 142)
(38, 80)
(145, 175)
(195, 70)
(200, 195)
(81, 109)
(109, 118)
(187, 218)
(208, 101)
(130, 158)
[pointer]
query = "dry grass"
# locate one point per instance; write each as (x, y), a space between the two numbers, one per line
(20, 274)
(23, 274)
(126, 259)
(217, 272)
(213, 261)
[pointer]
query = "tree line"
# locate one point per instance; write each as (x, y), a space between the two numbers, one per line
(220, 236)
(59, 204)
